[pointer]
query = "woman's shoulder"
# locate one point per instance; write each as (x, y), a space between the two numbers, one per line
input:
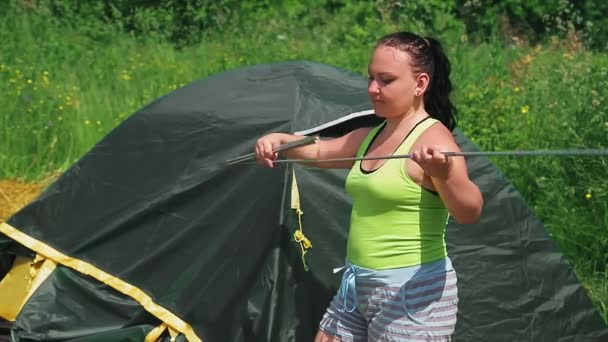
(363, 132)
(436, 134)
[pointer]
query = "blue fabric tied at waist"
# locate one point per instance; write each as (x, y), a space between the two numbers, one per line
(348, 283)
(380, 278)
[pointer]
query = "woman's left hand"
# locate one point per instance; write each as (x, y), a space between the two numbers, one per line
(434, 163)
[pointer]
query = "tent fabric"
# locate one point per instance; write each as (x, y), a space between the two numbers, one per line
(153, 205)
(47, 259)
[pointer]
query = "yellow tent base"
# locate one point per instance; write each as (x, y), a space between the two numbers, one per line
(21, 282)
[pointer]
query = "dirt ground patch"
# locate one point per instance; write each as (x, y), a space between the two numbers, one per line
(15, 194)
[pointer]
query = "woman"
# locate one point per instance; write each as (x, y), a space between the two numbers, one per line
(398, 282)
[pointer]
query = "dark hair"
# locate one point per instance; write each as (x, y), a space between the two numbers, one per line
(428, 56)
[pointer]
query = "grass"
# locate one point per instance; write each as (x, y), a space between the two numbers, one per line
(65, 86)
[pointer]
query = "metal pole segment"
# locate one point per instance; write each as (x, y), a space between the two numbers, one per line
(570, 152)
(294, 144)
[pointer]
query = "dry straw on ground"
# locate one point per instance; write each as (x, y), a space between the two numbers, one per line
(15, 194)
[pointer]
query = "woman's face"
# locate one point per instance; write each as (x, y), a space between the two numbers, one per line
(392, 83)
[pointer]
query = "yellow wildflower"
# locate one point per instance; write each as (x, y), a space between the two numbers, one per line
(29, 81)
(525, 109)
(588, 195)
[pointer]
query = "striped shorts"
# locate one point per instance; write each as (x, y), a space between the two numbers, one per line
(417, 303)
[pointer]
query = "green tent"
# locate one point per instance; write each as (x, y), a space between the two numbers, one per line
(151, 236)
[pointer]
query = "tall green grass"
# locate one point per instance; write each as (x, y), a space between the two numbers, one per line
(65, 85)
(549, 97)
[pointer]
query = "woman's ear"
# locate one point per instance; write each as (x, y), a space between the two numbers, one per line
(422, 83)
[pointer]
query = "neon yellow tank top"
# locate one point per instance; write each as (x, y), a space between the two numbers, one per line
(394, 221)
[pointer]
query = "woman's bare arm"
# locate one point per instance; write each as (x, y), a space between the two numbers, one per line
(342, 147)
(449, 174)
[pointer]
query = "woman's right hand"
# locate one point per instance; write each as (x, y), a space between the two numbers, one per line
(264, 149)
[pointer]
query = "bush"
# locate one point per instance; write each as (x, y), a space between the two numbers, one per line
(536, 20)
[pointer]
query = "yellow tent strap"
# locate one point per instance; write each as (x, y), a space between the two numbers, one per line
(157, 332)
(21, 282)
(298, 235)
(173, 333)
